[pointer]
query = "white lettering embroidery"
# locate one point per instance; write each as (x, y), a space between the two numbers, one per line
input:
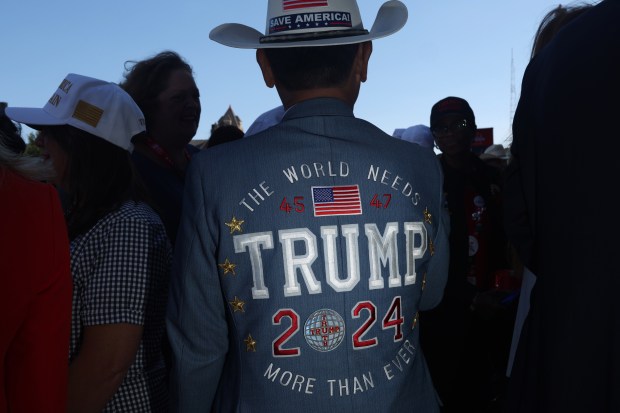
(286, 377)
(317, 170)
(383, 249)
(257, 196)
(374, 174)
(400, 360)
(291, 174)
(253, 243)
(280, 21)
(300, 251)
(302, 262)
(340, 387)
(413, 253)
(351, 234)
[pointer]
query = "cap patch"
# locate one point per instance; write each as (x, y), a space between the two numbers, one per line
(87, 113)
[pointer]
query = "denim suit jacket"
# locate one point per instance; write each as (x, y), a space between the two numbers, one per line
(304, 255)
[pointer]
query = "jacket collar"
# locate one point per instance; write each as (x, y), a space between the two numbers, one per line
(318, 107)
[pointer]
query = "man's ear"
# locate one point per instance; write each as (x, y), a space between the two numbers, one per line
(265, 68)
(366, 51)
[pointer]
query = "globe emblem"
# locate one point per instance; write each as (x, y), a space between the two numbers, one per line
(474, 245)
(324, 330)
(479, 201)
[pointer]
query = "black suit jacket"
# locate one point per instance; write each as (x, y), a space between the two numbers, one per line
(563, 219)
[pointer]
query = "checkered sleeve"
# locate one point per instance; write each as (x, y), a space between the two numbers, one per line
(119, 285)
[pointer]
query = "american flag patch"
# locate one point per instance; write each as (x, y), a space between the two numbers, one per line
(336, 200)
(302, 4)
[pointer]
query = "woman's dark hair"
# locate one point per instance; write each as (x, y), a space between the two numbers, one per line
(146, 79)
(101, 177)
(553, 22)
(302, 68)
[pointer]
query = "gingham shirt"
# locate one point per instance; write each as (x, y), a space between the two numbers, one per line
(120, 271)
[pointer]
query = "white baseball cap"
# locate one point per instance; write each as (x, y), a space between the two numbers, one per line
(92, 105)
(305, 23)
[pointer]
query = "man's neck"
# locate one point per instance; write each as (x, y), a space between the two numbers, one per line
(291, 98)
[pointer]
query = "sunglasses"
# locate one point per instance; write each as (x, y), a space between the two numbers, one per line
(455, 127)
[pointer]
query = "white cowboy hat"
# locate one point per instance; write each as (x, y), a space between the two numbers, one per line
(495, 151)
(305, 23)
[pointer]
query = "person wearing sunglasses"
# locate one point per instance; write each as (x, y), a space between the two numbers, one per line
(457, 337)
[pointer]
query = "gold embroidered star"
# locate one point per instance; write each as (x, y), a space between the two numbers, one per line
(250, 343)
(424, 282)
(431, 247)
(428, 217)
(228, 267)
(237, 305)
(235, 225)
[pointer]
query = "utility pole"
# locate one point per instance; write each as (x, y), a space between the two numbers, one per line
(513, 90)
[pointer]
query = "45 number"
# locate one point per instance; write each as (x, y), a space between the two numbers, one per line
(297, 206)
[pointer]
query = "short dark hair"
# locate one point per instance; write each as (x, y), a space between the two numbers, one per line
(146, 79)
(302, 68)
(224, 134)
(101, 177)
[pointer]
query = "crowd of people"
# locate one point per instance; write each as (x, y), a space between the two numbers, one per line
(342, 270)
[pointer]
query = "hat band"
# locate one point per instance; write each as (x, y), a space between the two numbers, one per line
(311, 36)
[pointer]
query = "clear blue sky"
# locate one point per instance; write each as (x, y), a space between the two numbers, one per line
(448, 47)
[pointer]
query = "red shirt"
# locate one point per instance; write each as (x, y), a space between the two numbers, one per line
(35, 297)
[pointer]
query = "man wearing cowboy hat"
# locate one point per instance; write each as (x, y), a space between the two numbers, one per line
(306, 251)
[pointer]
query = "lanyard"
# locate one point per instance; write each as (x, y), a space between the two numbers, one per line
(161, 152)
